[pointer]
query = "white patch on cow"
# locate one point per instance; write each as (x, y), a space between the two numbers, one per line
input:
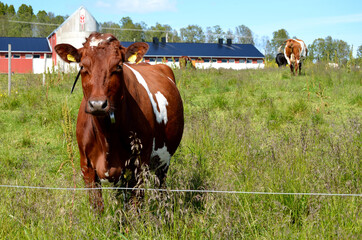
(95, 42)
(162, 153)
(162, 101)
(171, 80)
(105, 181)
(285, 55)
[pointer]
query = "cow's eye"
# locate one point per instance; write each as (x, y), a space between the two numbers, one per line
(119, 67)
(84, 71)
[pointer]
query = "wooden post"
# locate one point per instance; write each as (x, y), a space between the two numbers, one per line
(9, 69)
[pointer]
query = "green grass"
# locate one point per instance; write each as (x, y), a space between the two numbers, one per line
(251, 130)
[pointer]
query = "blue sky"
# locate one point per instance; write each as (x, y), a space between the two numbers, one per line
(306, 19)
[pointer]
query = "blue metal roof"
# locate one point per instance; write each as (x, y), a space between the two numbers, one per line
(26, 44)
(200, 50)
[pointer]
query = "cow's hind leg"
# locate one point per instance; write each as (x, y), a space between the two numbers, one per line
(300, 68)
(291, 68)
(296, 68)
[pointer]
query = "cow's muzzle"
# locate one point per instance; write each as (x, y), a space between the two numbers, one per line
(98, 107)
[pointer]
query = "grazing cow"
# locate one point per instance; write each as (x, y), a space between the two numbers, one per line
(281, 60)
(130, 115)
(186, 61)
(295, 51)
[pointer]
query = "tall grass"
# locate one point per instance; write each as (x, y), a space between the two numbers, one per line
(252, 130)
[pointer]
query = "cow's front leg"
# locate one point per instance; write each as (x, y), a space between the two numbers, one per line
(92, 181)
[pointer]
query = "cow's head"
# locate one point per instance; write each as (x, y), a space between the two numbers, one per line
(101, 60)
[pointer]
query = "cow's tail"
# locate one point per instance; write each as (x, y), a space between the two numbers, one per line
(280, 48)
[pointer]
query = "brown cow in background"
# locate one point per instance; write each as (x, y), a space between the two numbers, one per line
(186, 61)
(295, 51)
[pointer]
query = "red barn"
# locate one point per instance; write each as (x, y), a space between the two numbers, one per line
(28, 55)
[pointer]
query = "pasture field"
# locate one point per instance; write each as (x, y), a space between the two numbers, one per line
(251, 130)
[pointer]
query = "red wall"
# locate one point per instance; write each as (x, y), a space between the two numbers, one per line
(18, 65)
(52, 42)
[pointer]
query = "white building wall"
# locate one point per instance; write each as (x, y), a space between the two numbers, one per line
(235, 66)
(39, 65)
(74, 30)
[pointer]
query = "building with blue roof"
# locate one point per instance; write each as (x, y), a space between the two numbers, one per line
(205, 55)
(36, 55)
(27, 54)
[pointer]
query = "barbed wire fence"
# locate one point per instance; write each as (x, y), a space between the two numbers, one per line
(185, 190)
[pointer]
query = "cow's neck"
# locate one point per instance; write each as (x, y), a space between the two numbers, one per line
(113, 131)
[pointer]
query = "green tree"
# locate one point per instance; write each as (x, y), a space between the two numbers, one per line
(330, 50)
(43, 30)
(244, 35)
(278, 40)
(359, 52)
(24, 14)
(6, 13)
(10, 10)
(359, 55)
(3, 20)
(230, 35)
(214, 33)
(269, 51)
(111, 27)
(192, 34)
(2, 9)
(131, 31)
(317, 49)
(162, 30)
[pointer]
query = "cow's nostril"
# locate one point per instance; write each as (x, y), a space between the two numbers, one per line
(97, 106)
(90, 104)
(105, 104)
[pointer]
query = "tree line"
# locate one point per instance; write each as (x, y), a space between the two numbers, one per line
(25, 23)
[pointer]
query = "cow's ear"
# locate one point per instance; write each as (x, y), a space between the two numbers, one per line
(68, 53)
(136, 51)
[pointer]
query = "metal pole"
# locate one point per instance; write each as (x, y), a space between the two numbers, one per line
(9, 69)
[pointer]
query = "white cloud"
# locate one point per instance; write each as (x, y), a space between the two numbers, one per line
(138, 6)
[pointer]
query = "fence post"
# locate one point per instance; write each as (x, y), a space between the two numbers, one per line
(9, 69)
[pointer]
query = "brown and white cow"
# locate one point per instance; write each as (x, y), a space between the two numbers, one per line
(295, 51)
(129, 112)
(186, 62)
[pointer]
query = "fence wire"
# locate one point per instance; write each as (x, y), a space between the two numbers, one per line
(183, 191)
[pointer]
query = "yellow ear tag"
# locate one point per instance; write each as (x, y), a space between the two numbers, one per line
(71, 58)
(132, 58)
